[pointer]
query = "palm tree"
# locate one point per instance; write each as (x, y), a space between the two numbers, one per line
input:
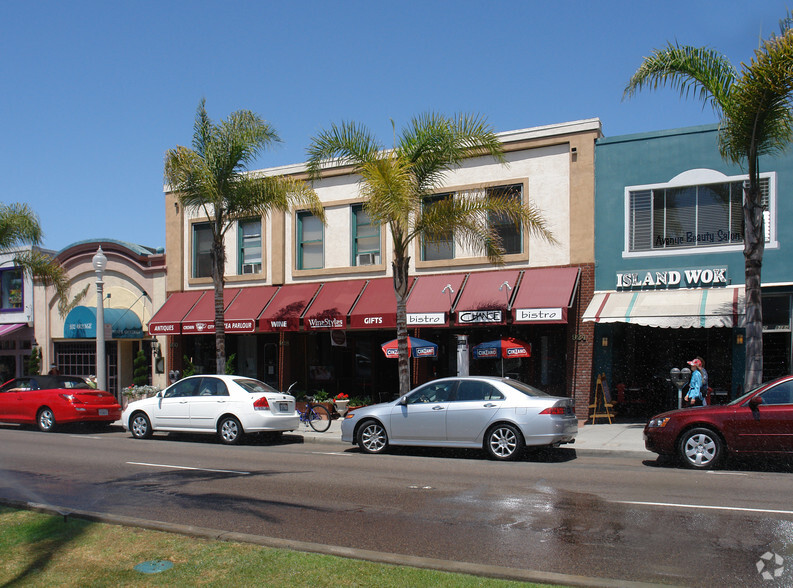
(755, 111)
(20, 228)
(212, 178)
(396, 183)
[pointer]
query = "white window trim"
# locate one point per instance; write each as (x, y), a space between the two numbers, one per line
(697, 177)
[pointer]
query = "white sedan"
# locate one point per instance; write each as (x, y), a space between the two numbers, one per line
(229, 406)
(500, 415)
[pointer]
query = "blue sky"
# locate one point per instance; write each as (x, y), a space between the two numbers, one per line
(94, 93)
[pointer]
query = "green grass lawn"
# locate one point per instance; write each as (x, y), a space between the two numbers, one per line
(44, 550)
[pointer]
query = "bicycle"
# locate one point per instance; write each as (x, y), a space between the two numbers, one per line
(315, 415)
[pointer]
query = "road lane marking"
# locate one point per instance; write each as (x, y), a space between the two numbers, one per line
(706, 507)
(726, 473)
(329, 453)
(176, 467)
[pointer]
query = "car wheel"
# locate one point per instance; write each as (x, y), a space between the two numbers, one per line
(140, 426)
(701, 449)
(372, 437)
(504, 442)
(45, 420)
(230, 430)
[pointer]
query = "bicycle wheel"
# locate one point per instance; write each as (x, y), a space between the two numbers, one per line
(319, 419)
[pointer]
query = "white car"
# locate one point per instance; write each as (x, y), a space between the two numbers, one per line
(228, 406)
(500, 415)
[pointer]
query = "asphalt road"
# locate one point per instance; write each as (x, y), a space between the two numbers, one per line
(600, 515)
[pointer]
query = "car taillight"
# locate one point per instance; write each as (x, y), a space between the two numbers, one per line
(554, 410)
(71, 398)
(261, 404)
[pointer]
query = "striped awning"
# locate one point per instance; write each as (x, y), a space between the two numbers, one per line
(676, 309)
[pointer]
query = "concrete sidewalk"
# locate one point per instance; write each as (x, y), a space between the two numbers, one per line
(621, 437)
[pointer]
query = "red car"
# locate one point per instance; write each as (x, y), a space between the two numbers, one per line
(759, 422)
(47, 400)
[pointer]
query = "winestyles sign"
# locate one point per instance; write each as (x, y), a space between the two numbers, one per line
(663, 279)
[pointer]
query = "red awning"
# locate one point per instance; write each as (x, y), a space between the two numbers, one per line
(485, 298)
(242, 313)
(168, 320)
(287, 306)
(376, 308)
(544, 295)
(201, 318)
(330, 306)
(431, 300)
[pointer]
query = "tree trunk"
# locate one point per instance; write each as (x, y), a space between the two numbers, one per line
(218, 274)
(400, 269)
(754, 246)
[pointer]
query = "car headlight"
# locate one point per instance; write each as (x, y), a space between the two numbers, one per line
(659, 422)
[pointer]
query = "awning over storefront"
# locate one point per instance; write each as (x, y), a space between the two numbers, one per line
(376, 308)
(10, 328)
(287, 306)
(80, 323)
(330, 306)
(544, 295)
(200, 320)
(431, 300)
(242, 313)
(485, 298)
(685, 308)
(168, 320)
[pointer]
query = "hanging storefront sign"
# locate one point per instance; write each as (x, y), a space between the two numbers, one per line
(660, 279)
(479, 316)
(538, 315)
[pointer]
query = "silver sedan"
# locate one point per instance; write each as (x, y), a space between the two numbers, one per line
(500, 415)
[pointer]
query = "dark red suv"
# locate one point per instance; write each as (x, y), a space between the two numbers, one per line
(759, 422)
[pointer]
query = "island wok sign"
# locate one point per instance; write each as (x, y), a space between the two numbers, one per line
(668, 279)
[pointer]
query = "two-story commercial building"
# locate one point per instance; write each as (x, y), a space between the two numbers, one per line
(313, 303)
(17, 337)
(670, 269)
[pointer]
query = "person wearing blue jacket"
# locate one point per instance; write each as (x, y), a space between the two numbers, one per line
(694, 396)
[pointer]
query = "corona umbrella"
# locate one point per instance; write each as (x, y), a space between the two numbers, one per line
(416, 348)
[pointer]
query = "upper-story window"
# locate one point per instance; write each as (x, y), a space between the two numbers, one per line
(250, 247)
(508, 230)
(664, 218)
(310, 250)
(442, 248)
(202, 250)
(365, 238)
(11, 289)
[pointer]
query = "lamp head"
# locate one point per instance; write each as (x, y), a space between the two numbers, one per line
(99, 261)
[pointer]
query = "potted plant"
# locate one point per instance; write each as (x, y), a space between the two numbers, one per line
(342, 401)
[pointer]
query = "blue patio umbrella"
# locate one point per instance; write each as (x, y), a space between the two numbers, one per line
(416, 348)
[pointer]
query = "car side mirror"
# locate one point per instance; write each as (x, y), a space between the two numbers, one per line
(755, 401)
(402, 401)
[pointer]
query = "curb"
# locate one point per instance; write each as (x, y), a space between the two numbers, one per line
(394, 559)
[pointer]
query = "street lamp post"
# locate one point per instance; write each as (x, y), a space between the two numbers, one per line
(100, 262)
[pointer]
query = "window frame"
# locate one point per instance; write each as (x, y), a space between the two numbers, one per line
(355, 210)
(7, 274)
(241, 246)
(194, 265)
(428, 201)
(695, 179)
(301, 243)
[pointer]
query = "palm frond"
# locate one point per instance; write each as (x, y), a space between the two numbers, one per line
(349, 143)
(19, 226)
(704, 73)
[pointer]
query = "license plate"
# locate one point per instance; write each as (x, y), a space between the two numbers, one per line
(102, 412)
(283, 407)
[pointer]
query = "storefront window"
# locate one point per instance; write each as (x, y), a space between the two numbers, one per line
(708, 215)
(202, 250)
(509, 231)
(11, 285)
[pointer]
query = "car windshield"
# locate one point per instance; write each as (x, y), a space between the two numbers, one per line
(525, 388)
(254, 386)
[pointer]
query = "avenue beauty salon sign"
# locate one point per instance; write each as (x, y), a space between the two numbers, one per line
(661, 279)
